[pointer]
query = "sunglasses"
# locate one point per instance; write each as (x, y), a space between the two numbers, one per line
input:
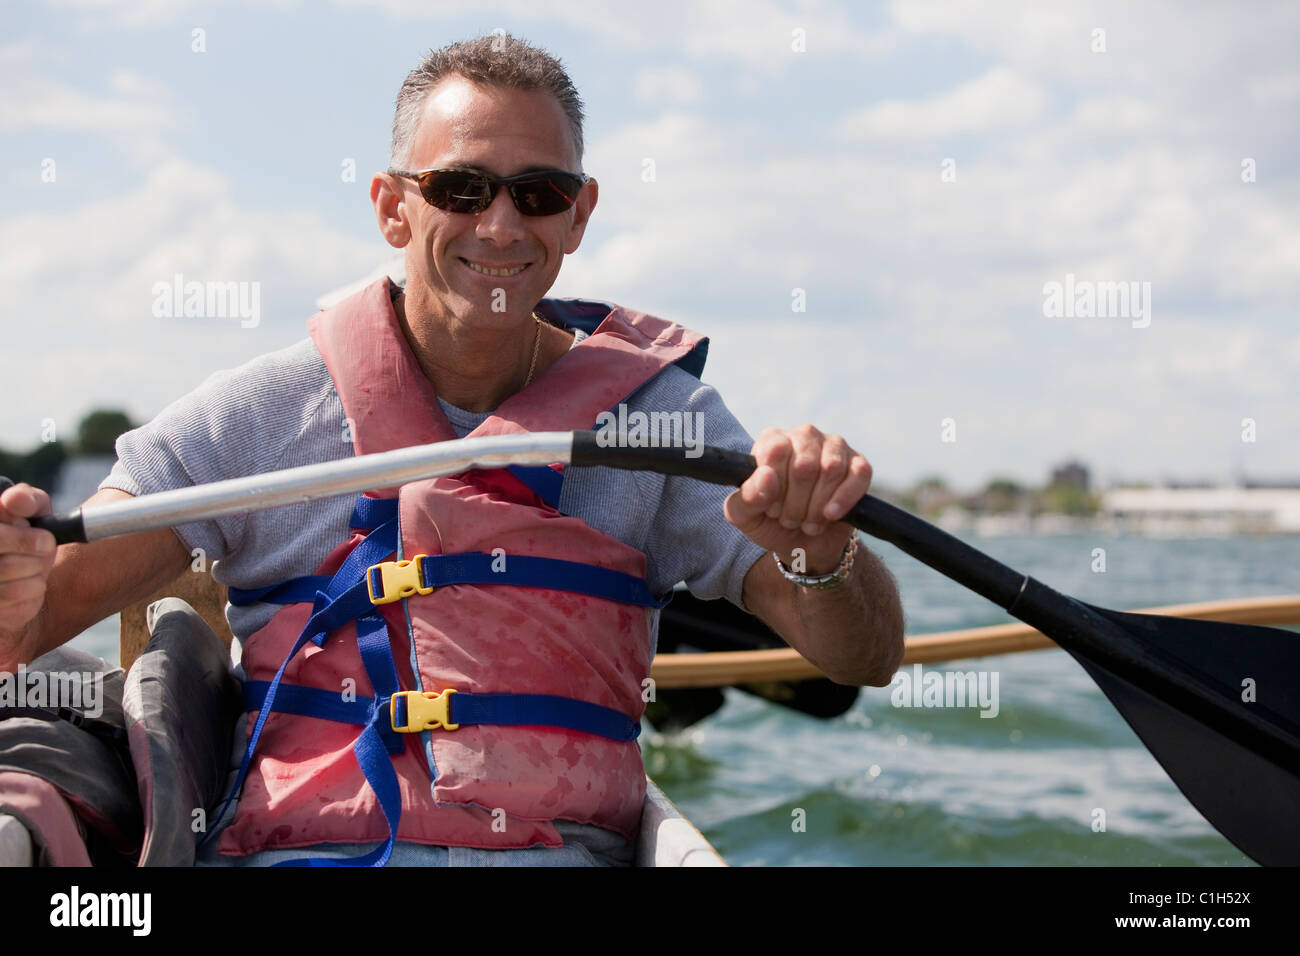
(543, 193)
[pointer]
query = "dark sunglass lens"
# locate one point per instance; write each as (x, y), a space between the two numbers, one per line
(456, 191)
(545, 195)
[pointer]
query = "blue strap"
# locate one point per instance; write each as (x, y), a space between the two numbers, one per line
(377, 656)
(377, 744)
(477, 567)
(294, 591)
(542, 480)
(378, 769)
(501, 710)
(309, 702)
(370, 513)
(587, 314)
(332, 613)
(343, 600)
(542, 710)
(347, 598)
(440, 570)
(376, 545)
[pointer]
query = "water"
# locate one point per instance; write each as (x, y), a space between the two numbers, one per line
(916, 786)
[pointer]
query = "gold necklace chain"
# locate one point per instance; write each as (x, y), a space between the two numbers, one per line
(537, 342)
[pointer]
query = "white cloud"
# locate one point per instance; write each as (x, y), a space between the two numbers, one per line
(142, 14)
(80, 290)
(1167, 48)
(761, 34)
(999, 98)
(668, 85)
(30, 99)
(1276, 90)
(947, 279)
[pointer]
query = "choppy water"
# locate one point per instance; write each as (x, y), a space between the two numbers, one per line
(916, 786)
(913, 786)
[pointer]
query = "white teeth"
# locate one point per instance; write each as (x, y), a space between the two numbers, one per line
(494, 272)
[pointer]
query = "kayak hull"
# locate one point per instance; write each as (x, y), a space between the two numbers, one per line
(669, 839)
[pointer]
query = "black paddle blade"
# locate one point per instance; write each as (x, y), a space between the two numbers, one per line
(1237, 778)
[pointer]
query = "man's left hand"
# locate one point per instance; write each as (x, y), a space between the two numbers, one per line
(805, 481)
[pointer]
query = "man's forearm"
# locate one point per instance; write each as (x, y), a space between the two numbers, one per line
(853, 632)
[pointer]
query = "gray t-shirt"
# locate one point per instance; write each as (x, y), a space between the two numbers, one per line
(281, 410)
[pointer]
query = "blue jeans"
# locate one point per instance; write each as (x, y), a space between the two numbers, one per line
(583, 846)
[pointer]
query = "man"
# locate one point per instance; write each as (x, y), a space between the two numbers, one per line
(485, 197)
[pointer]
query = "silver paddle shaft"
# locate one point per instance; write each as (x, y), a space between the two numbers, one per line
(167, 509)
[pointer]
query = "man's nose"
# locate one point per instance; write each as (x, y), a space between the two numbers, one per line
(501, 221)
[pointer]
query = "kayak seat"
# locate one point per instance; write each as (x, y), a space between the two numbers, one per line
(181, 703)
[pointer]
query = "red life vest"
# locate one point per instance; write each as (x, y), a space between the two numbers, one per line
(492, 784)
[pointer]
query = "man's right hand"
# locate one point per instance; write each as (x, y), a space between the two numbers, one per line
(26, 557)
(85, 583)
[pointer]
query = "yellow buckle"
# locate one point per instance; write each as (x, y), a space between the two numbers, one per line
(399, 579)
(425, 710)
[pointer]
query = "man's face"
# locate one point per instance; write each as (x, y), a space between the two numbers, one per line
(501, 132)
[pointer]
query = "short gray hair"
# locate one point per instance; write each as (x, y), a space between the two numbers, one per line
(497, 59)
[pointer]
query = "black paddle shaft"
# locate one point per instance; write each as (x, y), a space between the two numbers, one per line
(940, 550)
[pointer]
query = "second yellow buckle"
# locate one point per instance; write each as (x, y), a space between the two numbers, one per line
(398, 580)
(425, 710)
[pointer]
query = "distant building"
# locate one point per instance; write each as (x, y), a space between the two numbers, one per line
(1072, 474)
(1204, 510)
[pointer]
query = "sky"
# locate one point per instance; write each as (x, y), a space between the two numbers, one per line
(873, 210)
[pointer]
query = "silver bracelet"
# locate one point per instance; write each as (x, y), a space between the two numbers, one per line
(820, 582)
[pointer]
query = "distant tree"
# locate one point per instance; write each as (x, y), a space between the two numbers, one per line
(1002, 495)
(1004, 487)
(1068, 499)
(42, 465)
(98, 431)
(929, 496)
(932, 482)
(38, 467)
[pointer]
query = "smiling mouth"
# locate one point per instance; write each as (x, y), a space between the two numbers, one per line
(496, 272)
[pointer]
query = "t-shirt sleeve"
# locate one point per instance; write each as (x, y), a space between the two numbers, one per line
(238, 422)
(690, 536)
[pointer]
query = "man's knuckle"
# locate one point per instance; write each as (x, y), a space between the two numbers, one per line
(835, 462)
(805, 467)
(22, 591)
(12, 537)
(15, 566)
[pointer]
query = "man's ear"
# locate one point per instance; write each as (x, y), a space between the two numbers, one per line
(388, 197)
(584, 206)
